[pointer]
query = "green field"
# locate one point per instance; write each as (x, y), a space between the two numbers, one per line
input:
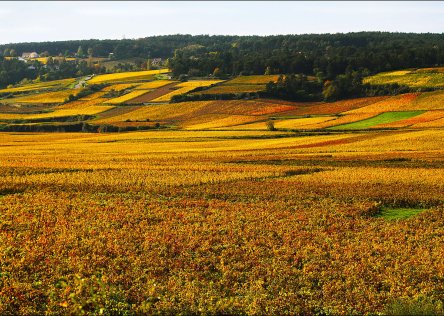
(399, 213)
(384, 118)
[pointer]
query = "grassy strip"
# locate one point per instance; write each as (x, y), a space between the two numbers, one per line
(384, 118)
(398, 213)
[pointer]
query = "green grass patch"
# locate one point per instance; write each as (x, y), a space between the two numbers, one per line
(384, 118)
(399, 213)
(414, 306)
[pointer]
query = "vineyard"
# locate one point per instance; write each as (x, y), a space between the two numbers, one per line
(143, 99)
(127, 76)
(241, 84)
(246, 206)
(228, 222)
(39, 86)
(417, 78)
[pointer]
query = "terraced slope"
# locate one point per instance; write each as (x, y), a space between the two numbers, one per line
(147, 104)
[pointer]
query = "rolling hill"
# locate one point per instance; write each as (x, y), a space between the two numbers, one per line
(138, 100)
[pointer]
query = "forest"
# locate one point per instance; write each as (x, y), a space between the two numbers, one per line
(309, 53)
(336, 60)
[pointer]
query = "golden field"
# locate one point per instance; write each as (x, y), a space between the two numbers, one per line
(40, 86)
(185, 87)
(220, 222)
(120, 86)
(75, 109)
(154, 84)
(255, 80)
(230, 114)
(239, 88)
(127, 76)
(416, 78)
(126, 97)
(190, 113)
(333, 209)
(45, 97)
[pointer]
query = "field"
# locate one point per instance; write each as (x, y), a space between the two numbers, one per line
(220, 222)
(45, 97)
(120, 86)
(73, 110)
(242, 80)
(241, 84)
(384, 118)
(333, 209)
(426, 117)
(127, 97)
(155, 84)
(127, 76)
(40, 86)
(239, 88)
(154, 94)
(419, 78)
(184, 88)
(149, 106)
(194, 114)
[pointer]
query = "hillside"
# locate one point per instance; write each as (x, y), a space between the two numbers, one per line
(415, 78)
(141, 100)
(330, 54)
(141, 192)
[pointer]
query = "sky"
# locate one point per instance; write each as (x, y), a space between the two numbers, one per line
(33, 21)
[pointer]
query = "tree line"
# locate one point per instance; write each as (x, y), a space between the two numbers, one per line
(325, 56)
(298, 87)
(13, 71)
(309, 53)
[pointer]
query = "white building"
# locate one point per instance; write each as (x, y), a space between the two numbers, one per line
(30, 55)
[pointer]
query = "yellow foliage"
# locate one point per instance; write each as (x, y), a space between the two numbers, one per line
(127, 76)
(40, 85)
(217, 222)
(47, 97)
(405, 102)
(120, 86)
(238, 88)
(185, 87)
(68, 111)
(197, 83)
(255, 80)
(426, 77)
(417, 121)
(154, 84)
(127, 97)
(211, 121)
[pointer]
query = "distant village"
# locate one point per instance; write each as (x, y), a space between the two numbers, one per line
(29, 56)
(113, 65)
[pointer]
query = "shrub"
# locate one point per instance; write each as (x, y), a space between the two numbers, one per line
(270, 126)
